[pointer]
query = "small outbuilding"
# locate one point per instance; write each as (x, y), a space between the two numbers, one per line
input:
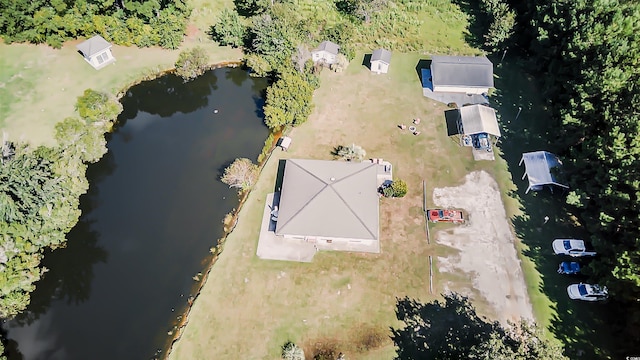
(538, 167)
(477, 122)
(284, 143)
(461, 74)
(325, 53)
(380, 61)
(97, 52)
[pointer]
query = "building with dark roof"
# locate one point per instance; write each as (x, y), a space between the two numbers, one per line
(461, 74)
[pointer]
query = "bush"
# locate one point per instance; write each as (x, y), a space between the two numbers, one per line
(399, 188)
(351, 152)
(228, 30)
(241, 174)
(291, 351)
(192, 63)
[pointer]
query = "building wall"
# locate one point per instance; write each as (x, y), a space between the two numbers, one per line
(465, 90)
(379, 67)
(102, 59)
(338, 244)
(323, 55)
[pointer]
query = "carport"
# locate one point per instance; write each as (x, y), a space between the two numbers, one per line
(537, 168)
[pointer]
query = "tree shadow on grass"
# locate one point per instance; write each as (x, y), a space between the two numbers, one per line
(478, 22)
(526, 125)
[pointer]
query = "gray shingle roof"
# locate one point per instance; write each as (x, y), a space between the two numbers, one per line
(329, 47)
(479, 119)
(381, 55)
(93, 46)
(332, 199)
(465, 71)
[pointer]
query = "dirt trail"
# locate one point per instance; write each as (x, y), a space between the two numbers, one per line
(486, 246)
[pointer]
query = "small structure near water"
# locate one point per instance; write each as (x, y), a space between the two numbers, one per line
(97, 52)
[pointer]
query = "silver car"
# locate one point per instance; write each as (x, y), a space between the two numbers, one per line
(587, 292)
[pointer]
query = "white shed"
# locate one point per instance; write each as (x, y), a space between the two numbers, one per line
(537, 167)
(380, 61)
(96, 51)
(326, 53)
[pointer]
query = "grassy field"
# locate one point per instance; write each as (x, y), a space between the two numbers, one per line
(250, 307)
(39, 85)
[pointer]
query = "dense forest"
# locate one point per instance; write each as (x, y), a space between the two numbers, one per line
(141, 23)
(589, 51)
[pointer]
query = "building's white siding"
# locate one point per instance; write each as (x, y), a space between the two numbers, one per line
(379, 67)
(465, 90)
(323, 55)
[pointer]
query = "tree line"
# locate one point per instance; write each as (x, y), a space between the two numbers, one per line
(40, 192)
(132, 22)
(589, 51)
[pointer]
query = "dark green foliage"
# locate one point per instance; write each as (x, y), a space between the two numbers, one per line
(229, 30)
(192, 63)
(251, 7)
(289, 101)
(452, 330)
(142, 23)
(39, 196)
(590, 50)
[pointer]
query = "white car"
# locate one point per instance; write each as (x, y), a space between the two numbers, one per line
(587, 292)
(571, 247)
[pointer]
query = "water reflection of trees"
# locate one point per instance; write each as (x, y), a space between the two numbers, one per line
(168, 95)
(70, 273)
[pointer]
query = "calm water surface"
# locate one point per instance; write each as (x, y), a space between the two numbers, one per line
(153, 210)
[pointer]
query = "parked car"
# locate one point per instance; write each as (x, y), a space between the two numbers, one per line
(571, 247)
(569, 268)
(587, 292)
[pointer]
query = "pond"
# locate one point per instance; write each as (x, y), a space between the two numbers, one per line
(154, 209)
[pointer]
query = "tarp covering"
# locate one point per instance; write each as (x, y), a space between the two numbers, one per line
(477, 119)
(538, 165)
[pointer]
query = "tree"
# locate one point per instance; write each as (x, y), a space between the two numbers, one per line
(452, 330)
(94, 106)
(77, 139)
(251, 7)
(192, 63)
(291, 351)
(288, 101)
(229, 30)
(241, 174)
(351, 152)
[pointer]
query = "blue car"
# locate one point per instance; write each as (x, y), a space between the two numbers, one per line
(569, 268)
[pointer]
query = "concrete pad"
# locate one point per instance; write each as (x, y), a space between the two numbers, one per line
(272, 247)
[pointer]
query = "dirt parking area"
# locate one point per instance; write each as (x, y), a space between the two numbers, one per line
(486, 246)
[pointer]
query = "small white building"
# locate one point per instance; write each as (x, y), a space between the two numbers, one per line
(461, 74)
(326, 53)
(97, 52)
(380, 61)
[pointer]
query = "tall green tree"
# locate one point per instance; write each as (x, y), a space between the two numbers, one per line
(289, 101)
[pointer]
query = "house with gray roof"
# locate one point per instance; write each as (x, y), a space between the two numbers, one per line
(380, 61)
(97, 52)
(478, 119)
(326, 53)
(332, 204)
(461, 74)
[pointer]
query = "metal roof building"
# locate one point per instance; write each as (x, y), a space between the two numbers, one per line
(537, 168)
(329, 200)
(466, 74)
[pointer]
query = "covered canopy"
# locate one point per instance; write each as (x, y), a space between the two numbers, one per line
(477, 119)
(537, 167)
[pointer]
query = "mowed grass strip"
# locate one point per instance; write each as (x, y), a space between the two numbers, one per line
(250, 307)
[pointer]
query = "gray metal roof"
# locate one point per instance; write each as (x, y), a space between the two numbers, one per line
(537, 167)
(381, 55)
(465, 71)
(329, 47)
(332, 199)
(478, 119)
(93, 46)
